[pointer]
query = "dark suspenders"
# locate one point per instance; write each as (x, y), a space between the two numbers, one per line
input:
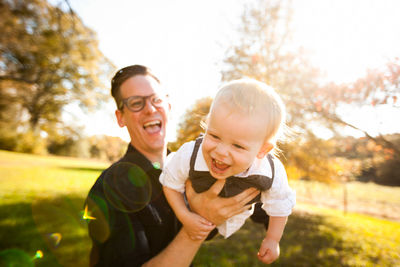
(196, 149)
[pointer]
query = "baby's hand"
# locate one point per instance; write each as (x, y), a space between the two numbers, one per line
(196, 226)
(269, 251)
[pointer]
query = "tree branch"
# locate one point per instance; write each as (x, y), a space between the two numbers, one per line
(378, 140)
(16, 79)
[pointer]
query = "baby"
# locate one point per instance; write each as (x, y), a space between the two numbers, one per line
(242, 127)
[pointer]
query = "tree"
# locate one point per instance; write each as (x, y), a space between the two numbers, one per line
(190, 127)
(265, 52)
(106, 147)
(378, 87)
(48, 59)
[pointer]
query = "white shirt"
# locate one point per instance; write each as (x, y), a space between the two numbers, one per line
(279, 200)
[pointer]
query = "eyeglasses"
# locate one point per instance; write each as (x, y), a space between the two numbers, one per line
(137, 103)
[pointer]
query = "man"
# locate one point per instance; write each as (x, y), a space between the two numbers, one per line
(130, 221)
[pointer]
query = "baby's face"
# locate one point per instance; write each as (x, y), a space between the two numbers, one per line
(232, 141)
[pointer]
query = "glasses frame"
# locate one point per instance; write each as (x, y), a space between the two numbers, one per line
(124, 102)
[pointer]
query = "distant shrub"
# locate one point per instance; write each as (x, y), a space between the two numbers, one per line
(388, 172)
(32, 143)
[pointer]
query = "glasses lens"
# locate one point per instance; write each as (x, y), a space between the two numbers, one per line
(157, 101)
(135, 103)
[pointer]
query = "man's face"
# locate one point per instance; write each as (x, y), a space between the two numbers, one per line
(147, 127)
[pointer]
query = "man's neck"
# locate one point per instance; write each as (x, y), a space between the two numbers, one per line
(156, 157)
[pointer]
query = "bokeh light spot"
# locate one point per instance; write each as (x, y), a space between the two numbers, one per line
(137, 177)
(54, 239)
(157, 165)
(86, 214)
(127, 187)
(59, 222)
(38, 255)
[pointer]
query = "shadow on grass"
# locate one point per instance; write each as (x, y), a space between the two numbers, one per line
(308, 241)
(53, 226)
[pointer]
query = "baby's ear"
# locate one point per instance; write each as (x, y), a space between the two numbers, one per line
(267, 147)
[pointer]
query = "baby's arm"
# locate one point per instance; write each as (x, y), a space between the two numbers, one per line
(278, 202)
(269, 250)
(195, 226)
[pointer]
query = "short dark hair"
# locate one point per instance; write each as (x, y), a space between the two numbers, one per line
(124, 74)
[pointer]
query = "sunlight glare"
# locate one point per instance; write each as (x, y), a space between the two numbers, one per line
(55, 239)
(86, 215)
(38, 255)
(345, 38)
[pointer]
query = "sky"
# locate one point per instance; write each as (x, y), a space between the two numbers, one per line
(184, 41)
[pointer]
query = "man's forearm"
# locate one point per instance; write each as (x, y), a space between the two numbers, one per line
(180, 252)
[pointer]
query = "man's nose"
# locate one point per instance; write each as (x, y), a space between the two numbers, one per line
(148, 106)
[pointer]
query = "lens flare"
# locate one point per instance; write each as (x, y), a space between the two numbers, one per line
(86, 214)
(54, 239)
(38, 255)
(157, 165)
(59, 222)
(127, 187)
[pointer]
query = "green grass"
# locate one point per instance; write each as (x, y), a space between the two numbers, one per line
(367, 198)
(41, 201)
(313, 237)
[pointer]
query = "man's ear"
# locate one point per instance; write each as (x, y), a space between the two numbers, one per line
(120, 118)
(267, 147)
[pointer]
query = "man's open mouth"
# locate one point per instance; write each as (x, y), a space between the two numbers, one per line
(152, 126)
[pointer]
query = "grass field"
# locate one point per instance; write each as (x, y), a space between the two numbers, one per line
(366, 198)
(41, 205)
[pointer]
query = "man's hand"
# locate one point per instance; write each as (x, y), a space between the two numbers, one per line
(217, 209)
(196, 226)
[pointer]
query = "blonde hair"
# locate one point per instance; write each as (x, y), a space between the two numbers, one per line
(254, 98)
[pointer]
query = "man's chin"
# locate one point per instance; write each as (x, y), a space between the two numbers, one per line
(157, 144)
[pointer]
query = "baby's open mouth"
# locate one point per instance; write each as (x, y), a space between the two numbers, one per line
(220, 165)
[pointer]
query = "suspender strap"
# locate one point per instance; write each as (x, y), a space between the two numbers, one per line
(194, 154)
(271, 163)
(196, 149)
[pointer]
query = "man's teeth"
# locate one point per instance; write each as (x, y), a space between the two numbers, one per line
(219, 162)
(152, 123)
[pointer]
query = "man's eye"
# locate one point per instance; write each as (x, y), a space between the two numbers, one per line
(157, 100)
(135, 103)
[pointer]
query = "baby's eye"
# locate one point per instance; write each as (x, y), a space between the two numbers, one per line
(214, 136)
(239, 146)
